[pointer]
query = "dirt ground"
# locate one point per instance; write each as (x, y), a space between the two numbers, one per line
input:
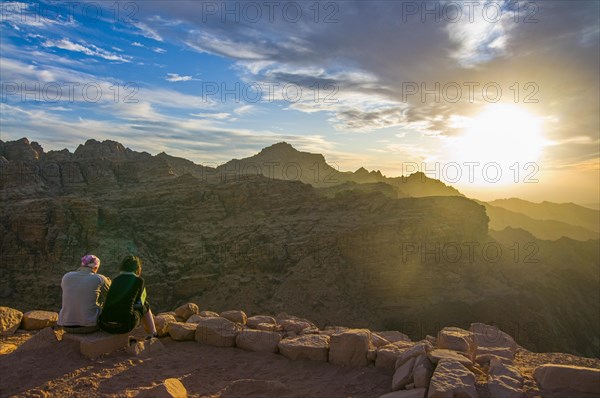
(34, 365)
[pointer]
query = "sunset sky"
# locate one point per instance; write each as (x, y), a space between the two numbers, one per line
(390, 85)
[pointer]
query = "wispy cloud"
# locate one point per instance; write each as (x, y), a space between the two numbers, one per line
(174, 77)
(23, 15)
(130, 100)
(245, 110)
(147, 31)
(87, 49)
(217, 116)
(207, 43)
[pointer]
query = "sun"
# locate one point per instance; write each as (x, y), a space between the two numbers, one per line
(502, 133)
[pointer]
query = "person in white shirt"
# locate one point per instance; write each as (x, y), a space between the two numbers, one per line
(83, 294)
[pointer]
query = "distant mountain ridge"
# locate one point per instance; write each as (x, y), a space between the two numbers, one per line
(282, 161)
(593, 206)
(111, 162)
(569, 213)
(546, 220)
(548, 229)
(279, 161)
(108, 162)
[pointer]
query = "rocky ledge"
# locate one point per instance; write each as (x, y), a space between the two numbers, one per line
(482, 361)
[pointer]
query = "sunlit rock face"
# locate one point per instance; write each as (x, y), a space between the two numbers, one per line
(353, 255)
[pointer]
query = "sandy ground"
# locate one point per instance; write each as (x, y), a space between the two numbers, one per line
(42, 368)
(59, 370)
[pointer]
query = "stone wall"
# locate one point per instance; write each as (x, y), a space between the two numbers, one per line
(455, 363)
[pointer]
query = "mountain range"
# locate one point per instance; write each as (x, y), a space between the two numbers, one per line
(283, 230)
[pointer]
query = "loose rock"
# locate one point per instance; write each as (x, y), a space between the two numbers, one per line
(451, 379)
(436, 355)
(162, 323)
(170, 388)
(486, 337)
(266, 326)
(219, 332)
(10, 320)
(258, 340)
(187, 310)
(403, 375)
(235, 316)
(255, 320)
(313, 347)
(194, 319)
(456, 339)
(422, 371)
(36, 320)
(378, 341)
(393, 336)
(552, 377)
(181, 331)
(387, 355)
(421, 348)
(504, 381)
(350, 347)
(208, 314)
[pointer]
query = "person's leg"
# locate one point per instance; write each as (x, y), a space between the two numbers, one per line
(149, 322)
(144, 314)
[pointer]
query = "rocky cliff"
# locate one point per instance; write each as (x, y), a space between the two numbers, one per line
(362, 258)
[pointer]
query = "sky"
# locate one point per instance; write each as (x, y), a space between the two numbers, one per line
(497, 98)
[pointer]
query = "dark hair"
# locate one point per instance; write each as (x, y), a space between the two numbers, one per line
(131, 264)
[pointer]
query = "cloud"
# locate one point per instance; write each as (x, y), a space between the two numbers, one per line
(245, 109)
(147, 31)
(359, 120)
(481, 35)
(58, 84)
(217, 116)
(87, 49)
(136, 111)
(60, 109)
(207, 43)
(24, 15)
(36, 56)
(174, 77)
(137, 44)
(159, 50)
(174, 100)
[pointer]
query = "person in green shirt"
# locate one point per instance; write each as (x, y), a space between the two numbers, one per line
(126, 305)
